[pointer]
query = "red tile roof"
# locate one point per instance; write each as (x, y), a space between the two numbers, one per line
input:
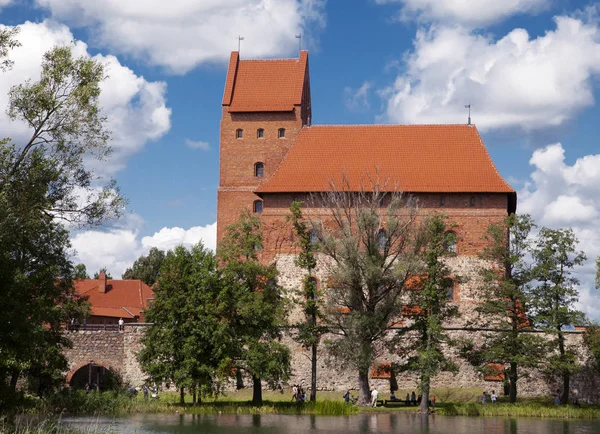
(123, 298)
(264, 85)
(418, 158)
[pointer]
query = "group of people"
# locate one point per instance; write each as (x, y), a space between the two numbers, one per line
(493, 397)
(298, 393)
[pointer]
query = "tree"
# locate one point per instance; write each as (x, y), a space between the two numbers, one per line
(505, 300)
(184, 344)
(252, 306)
(8, 41)
(369, 251)
(423, 339)
(553, 299)
(146, 268)
(597, 279)
(102, 270)
(80, 272)
(309, 331)
(44, 183)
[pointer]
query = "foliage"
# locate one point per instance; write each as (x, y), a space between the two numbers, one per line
(553, 299)
(8, 41)
(591, 339)
(184, 344)
(505, 294)
(252, 305)
(80, 272)
(146, 268)
(309, 331)
(369, 252)
(423, 340)
(102, 270)
(597, 278)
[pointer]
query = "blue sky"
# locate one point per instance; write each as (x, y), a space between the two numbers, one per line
(530, 69)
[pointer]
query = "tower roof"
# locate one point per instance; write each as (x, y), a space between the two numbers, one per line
(412, 158)
(272, 85)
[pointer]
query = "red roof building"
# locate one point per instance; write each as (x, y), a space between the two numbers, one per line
(113, 299)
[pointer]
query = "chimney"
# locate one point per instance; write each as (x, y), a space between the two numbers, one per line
(102, 282)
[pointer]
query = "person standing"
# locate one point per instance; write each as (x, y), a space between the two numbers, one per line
(121, 324)
(145, 390)
(493, 397)
(374, 395)
(483, 397)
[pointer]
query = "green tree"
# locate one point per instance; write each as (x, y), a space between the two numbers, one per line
(185, 343)
(553, 299)
(102, 270)
(423, 340)
(505, 300)
(44, 183)
(8, 41)
(367, 244)
(252, 305)
(80, 272)
(597, 279)
(146, 268)
(309, 330)
(591, 339)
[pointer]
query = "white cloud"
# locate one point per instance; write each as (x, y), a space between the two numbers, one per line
(512, 82)
(197, 144)
(136, 108)
(181, 34)
(118, 247)
(559, 195)
(467, 12)
(358, 99)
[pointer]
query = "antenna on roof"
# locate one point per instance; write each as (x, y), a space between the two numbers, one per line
(240, 39)
(299, 38)
(468, 106)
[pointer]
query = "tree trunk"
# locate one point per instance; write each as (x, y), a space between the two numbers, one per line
(424, 407)
(194, 396)
(313, 374)
(181, 396)
(512, 382)
(566, 377)
(14, 378)
(256, 391)
(363, 386)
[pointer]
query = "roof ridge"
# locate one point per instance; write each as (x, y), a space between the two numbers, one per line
(297, 59)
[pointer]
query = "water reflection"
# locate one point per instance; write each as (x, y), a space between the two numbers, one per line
(363, 423)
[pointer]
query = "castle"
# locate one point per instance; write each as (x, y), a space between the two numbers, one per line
(271, 155)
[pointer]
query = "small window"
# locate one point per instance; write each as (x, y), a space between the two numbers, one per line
(472, 200)
(259, 170)
(382, 201)
(281, 133)
(450, 293)
(442, 200)
(258, 206)
(314, 237)
(239, 133)
(382, 239)
(450, 242)
(260, 133)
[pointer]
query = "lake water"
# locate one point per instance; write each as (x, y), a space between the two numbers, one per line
(362, 423)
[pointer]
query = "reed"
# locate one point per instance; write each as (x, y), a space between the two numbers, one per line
(520, 409)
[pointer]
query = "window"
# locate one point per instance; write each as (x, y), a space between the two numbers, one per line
(281, 133)
(450, 242)
(239, 133)
(442, 200)
(258, 206)
(450, 293)
(472, 200)
(382, 201)
(382, 239)
(260, 133)
(314, 237)
(259, 170)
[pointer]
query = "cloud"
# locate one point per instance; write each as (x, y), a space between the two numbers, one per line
(358, 99)
(136, 108)
(181, 34)
(118, 247)
(197, 144)
(466, 12)
(559, 195)
(512, 82)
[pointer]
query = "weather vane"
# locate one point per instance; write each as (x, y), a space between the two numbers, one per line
(240, 39)
(468, 106)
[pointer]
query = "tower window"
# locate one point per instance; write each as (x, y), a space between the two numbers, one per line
(472, 200)
(314, 237)
(239, 133)
(442, 200)
(450, 242)
(258, 206)
(260, 133)
(281, 133)
(259, 170)
(382, 239)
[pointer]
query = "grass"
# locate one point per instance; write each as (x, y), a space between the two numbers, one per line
(520, 409)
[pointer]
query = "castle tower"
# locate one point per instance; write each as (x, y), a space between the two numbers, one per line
(265, 105)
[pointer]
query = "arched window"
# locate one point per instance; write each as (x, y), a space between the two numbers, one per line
(451, 242)
(259, 170)
(258, 206)
(239, 133)
(442, 201)
(472, 201)
(381, 239)
(281, 133)
(450, 294)
(260, 133)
